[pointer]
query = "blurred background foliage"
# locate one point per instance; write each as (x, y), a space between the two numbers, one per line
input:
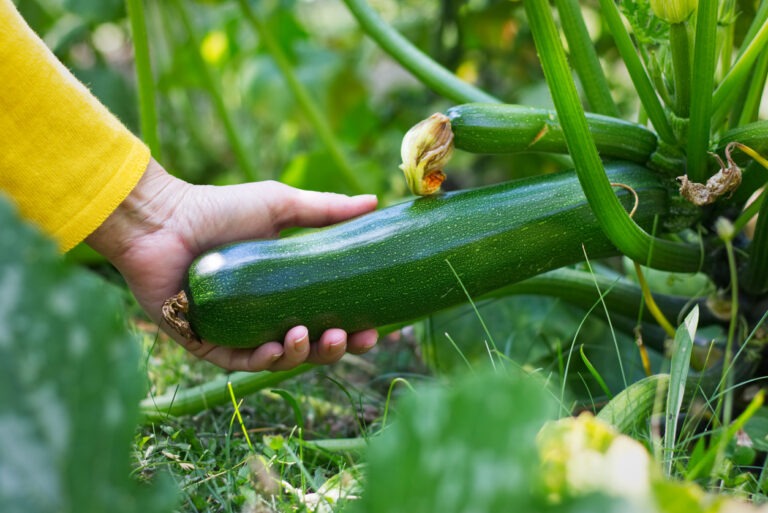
(365, 97)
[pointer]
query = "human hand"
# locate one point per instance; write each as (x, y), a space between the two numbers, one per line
(164, 223)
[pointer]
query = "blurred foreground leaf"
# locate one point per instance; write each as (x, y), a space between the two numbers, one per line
(467, 448)
(70, 385)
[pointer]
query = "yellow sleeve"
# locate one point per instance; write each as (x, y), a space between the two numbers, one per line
(65, 161)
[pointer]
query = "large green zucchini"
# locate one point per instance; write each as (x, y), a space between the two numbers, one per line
(392, 265)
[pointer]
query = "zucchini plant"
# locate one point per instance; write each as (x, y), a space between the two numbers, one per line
(671, 179)
(695, 131)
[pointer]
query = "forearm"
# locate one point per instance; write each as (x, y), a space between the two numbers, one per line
(65, 161)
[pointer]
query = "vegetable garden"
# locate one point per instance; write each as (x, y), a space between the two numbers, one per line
(569, 270)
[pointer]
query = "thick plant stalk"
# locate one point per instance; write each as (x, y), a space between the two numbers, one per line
(628, 237)
(429, 72)
(637, 73)
(585, 60)
(681, 63)
(704, 55)
(214, 393)
(305, 101)
(145, 82)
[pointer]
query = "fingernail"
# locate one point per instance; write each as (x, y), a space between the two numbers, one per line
(300, 338)
(301, 343)
(275, 357)
(369, 345)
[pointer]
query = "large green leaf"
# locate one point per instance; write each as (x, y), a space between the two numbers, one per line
(69, 385)
(470, 447)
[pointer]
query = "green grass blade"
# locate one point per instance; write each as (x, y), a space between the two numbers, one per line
(614, 220)
(144, 79)
(429, 72)
(678, 376)
(729, 433)
(637, 72)
(595, 374)
(585, 60)
(236, 405)
(702, 85)
(303, 98)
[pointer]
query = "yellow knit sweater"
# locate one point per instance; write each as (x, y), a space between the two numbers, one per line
(65, 161)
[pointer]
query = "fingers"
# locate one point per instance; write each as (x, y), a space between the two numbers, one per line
(295, 350)
(335, 342)
(236, 359)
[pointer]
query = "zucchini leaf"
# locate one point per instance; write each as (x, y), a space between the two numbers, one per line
(69, 387)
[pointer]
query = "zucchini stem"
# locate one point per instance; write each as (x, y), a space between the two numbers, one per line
(702, 85)
(429, 72)
(585, 60)
(681, 64)
(645, 91)
(173, 311)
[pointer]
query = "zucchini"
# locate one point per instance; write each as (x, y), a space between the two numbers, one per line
(505, 128)
(392, 265)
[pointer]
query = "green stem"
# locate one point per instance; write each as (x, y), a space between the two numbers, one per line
(337, 445)
(144, 79)
(754, 135)
(233, 136)
(726, 11)
(585, 60)
(214, 393)
(430, 73)
(746, 216)
(305, 101)
(704, 55)
(754, 96)
(756, 276)
(583, 289)
(622, 231)
(681, 63)
(738, 74)
(761, 17)
(637, 73)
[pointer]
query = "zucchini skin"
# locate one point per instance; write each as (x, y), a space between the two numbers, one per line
(507, 128)
(390, 266)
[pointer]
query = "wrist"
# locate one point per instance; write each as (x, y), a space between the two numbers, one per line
(144, 211)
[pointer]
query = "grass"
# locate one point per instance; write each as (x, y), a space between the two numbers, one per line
(277, 456)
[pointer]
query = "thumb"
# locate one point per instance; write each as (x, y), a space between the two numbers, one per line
(296, 207)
